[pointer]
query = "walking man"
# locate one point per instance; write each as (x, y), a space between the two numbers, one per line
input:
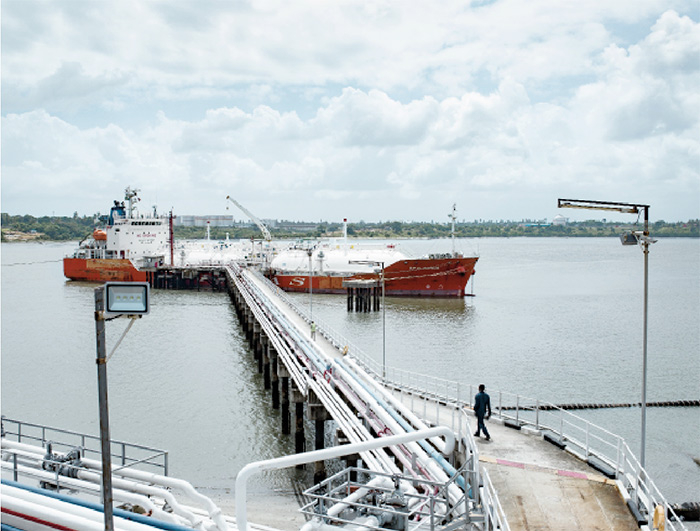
(313, 330)
(482, 407)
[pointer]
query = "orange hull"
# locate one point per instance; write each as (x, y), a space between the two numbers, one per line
(96, 270)
(440, 277)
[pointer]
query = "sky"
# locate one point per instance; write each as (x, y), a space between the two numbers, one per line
(367, 110)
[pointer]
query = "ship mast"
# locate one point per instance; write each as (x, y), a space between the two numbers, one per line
(453, 217)
(130, 195)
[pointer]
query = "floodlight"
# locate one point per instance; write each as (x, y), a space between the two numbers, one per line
(629, 238)
(126, 298)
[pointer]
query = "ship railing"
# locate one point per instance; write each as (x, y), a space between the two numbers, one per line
(124, 455)
(437, 398)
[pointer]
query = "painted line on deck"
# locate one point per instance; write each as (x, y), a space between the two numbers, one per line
(540, 468)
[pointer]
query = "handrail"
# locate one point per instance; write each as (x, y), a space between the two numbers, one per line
(43, 434)
(585, 439)
(581, 437)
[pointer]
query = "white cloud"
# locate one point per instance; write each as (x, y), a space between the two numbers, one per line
(395, 123)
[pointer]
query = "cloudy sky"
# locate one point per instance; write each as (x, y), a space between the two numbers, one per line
(370, 110)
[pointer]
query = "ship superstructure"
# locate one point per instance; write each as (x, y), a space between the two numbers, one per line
(129, 243)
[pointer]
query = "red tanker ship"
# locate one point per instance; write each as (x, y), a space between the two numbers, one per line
(128, 244)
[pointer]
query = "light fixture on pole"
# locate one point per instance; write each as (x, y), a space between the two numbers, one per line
(629, 238)
(113, 300)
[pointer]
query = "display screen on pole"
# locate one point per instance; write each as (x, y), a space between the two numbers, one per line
(126, 298)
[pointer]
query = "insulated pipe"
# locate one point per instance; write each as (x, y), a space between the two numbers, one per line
(337, 508)
(327, 453)
(439, 467)
(356, 432)
(380, 481)
(377, 425)
(395, 419)
(214, 512)
(57, 512)
(317, 361)
(146, 477)
(89, 485)
(125, 485)
(405, 411)
(321, 363)
(397, 423)
(16, 512)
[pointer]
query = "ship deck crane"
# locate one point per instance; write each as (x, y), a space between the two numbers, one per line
(258, 222)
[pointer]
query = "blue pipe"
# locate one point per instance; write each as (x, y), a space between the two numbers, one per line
(126, 515)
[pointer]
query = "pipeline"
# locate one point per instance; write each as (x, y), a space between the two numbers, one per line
(90, 486)
(400, 424)
(315, 365)
(337, 508)
(18, 504)
(396, 423)
(379, 427)
(326, 453)
(146, 477)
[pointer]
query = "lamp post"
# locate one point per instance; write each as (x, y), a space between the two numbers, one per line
(114, 299)
(310, 252)
(630, 238)
(382, 279)
(381, 264)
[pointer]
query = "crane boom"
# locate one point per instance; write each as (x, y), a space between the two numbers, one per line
(258, 222)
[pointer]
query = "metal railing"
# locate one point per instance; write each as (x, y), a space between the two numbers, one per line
(123, 454)
(427, 508)
(602, 449)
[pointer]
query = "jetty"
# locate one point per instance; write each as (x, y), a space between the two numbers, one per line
(403, 455)
(544, 468)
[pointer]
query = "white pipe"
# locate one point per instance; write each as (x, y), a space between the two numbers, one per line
(326, 453)
(214, 512)
(379, 481)
(147, 490)
(146, 477)
(23, 507)
(388, 419)
(337, 508)
(388, 397)
(88, 485)
(60, 512)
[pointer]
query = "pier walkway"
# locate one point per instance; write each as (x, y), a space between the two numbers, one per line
(539, 485)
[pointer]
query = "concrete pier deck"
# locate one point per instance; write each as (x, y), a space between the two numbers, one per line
(545, 488)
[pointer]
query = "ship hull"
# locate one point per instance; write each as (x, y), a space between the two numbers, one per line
(444, 277)
(102, 270)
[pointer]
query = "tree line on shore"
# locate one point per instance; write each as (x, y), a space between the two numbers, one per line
(55, 228)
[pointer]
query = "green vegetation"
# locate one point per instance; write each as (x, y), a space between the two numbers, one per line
(76, 228)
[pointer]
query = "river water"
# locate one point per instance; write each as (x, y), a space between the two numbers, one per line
(557, 319)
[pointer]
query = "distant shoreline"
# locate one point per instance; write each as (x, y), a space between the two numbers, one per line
(54, 228)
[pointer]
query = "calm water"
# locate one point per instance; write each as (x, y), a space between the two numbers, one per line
(555, 319)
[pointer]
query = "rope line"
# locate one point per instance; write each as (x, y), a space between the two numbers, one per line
(32, 263)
